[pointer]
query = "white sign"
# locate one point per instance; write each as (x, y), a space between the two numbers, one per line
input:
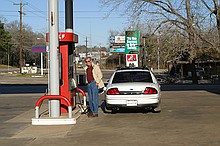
(120, 39)
(132, 60)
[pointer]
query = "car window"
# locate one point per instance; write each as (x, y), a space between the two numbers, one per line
(132, 76)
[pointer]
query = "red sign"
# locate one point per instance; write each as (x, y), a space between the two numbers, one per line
(131, 57)
(65, 37)
(132, 60)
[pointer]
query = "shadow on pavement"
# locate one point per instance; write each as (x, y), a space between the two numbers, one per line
(41, 88)
(212, 88)
(22, 88)
(124, 110)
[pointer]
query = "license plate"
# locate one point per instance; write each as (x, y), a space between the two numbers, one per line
(131, 102)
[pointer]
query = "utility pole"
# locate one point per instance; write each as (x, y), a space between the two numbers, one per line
(144, 52)
(158, 52)
(100, 55)
(86, 48)
(21, 13)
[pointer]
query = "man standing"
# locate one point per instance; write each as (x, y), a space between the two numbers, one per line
(94, 80)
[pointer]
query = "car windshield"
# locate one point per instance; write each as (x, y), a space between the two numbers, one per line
(132, 76)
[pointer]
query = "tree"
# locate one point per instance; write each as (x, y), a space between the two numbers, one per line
(185, 19)
(113, 61)
(5, 43)
(216, 11)
(184, 16)
(30, 39)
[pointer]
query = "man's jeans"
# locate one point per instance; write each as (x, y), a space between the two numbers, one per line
(92, 89)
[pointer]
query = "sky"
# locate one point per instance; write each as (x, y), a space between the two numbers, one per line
(89, 18)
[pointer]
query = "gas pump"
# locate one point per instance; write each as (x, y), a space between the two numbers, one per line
(61, 68)
(66, 40)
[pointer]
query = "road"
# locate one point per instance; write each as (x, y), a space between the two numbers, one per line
(190, 116)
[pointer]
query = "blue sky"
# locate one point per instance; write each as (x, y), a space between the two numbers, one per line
(88, 18)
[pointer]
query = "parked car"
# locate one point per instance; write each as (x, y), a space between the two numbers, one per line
(133, 88)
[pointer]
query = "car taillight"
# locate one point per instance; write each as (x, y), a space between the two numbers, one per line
(113, 91)
(150, 90)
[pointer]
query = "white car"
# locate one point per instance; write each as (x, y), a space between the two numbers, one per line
(133, 88)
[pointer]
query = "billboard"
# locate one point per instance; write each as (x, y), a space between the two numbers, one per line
(132, 41)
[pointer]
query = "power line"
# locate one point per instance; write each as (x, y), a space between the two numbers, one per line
(40, 11)
(78, 17)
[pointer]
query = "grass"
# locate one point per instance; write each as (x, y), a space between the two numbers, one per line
(5, 66)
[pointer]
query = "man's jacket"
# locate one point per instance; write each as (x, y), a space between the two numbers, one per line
(97, 75)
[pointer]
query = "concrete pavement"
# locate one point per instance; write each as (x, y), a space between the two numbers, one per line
(190, 116)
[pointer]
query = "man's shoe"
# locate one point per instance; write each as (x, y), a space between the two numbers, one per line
(94, 115)
(90, 115)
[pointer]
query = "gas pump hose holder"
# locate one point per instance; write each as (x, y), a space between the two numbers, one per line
(38, 121)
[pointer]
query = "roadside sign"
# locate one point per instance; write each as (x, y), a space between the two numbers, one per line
(112, 39)
(132, 60)
(117, 50)
(38, 49)
(119, 39)
(132, 41)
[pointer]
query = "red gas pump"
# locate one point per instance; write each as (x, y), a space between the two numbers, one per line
(61, 99)
(66, 39)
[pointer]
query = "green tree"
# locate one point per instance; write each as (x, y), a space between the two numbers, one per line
(5, 44)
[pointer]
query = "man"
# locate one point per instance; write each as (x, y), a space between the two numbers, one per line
(94, 80)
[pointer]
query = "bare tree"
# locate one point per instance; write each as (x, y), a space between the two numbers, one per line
(188, 18)
(214, 9)
(29, 40)
(186, 15)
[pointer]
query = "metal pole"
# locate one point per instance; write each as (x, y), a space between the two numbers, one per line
(158, 59)
(69, 15)
(48, 69)
(158, 52)
(21, 62)
(54, 58)
(8, 60)
(41, 63)
(100, 56)
(86, 47)
(144, 55)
